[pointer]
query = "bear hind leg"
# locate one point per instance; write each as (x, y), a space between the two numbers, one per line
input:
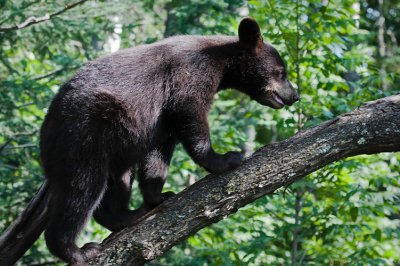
(113, 212)
(71, 206)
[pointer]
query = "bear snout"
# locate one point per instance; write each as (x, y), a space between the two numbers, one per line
(288, 98)
(292, 98)
(296, 97)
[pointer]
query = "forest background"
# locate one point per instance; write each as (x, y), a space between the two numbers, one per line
(339, 54)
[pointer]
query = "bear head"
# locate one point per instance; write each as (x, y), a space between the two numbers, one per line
(260, 71)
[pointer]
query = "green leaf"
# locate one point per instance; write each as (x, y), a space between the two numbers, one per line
(353, 213)
(378, 234)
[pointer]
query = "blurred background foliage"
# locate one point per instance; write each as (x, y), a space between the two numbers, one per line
(339, 54)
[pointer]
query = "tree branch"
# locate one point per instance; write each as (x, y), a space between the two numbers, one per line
(35, 20)
(372, 128)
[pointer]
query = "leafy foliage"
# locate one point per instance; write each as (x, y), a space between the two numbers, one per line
(346, 213)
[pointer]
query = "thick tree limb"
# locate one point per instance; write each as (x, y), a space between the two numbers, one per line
(35, 20)
(371, 128)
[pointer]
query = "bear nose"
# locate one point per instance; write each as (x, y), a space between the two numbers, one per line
(295, 97)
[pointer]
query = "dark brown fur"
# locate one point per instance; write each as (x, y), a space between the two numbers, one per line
(128, 110)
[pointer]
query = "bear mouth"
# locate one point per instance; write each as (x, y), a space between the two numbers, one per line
(277, 100)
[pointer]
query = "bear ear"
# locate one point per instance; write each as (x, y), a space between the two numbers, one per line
(249, 33)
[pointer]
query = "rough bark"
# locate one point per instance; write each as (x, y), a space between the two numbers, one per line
(372, 128)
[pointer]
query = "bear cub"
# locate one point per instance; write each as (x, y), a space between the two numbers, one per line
(123, 114)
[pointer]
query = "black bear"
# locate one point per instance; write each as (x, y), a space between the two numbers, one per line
(123, 114)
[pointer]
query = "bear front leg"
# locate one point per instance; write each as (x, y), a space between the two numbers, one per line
(153, 172)
(191, 127)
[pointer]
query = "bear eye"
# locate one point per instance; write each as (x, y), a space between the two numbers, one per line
(281, 73)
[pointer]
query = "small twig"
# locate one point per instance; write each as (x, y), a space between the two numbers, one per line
(279, 25)
(35, 20)
(25, 133)
(5, 144)
(29, 145)
(298, 207)
(272, 213)
(300, 113)
(24, 105)
(23, 6)
(55, 72)
(48, 74)
(305, 250)
(12, 167)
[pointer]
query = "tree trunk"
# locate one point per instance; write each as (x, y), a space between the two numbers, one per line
(372, 128)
